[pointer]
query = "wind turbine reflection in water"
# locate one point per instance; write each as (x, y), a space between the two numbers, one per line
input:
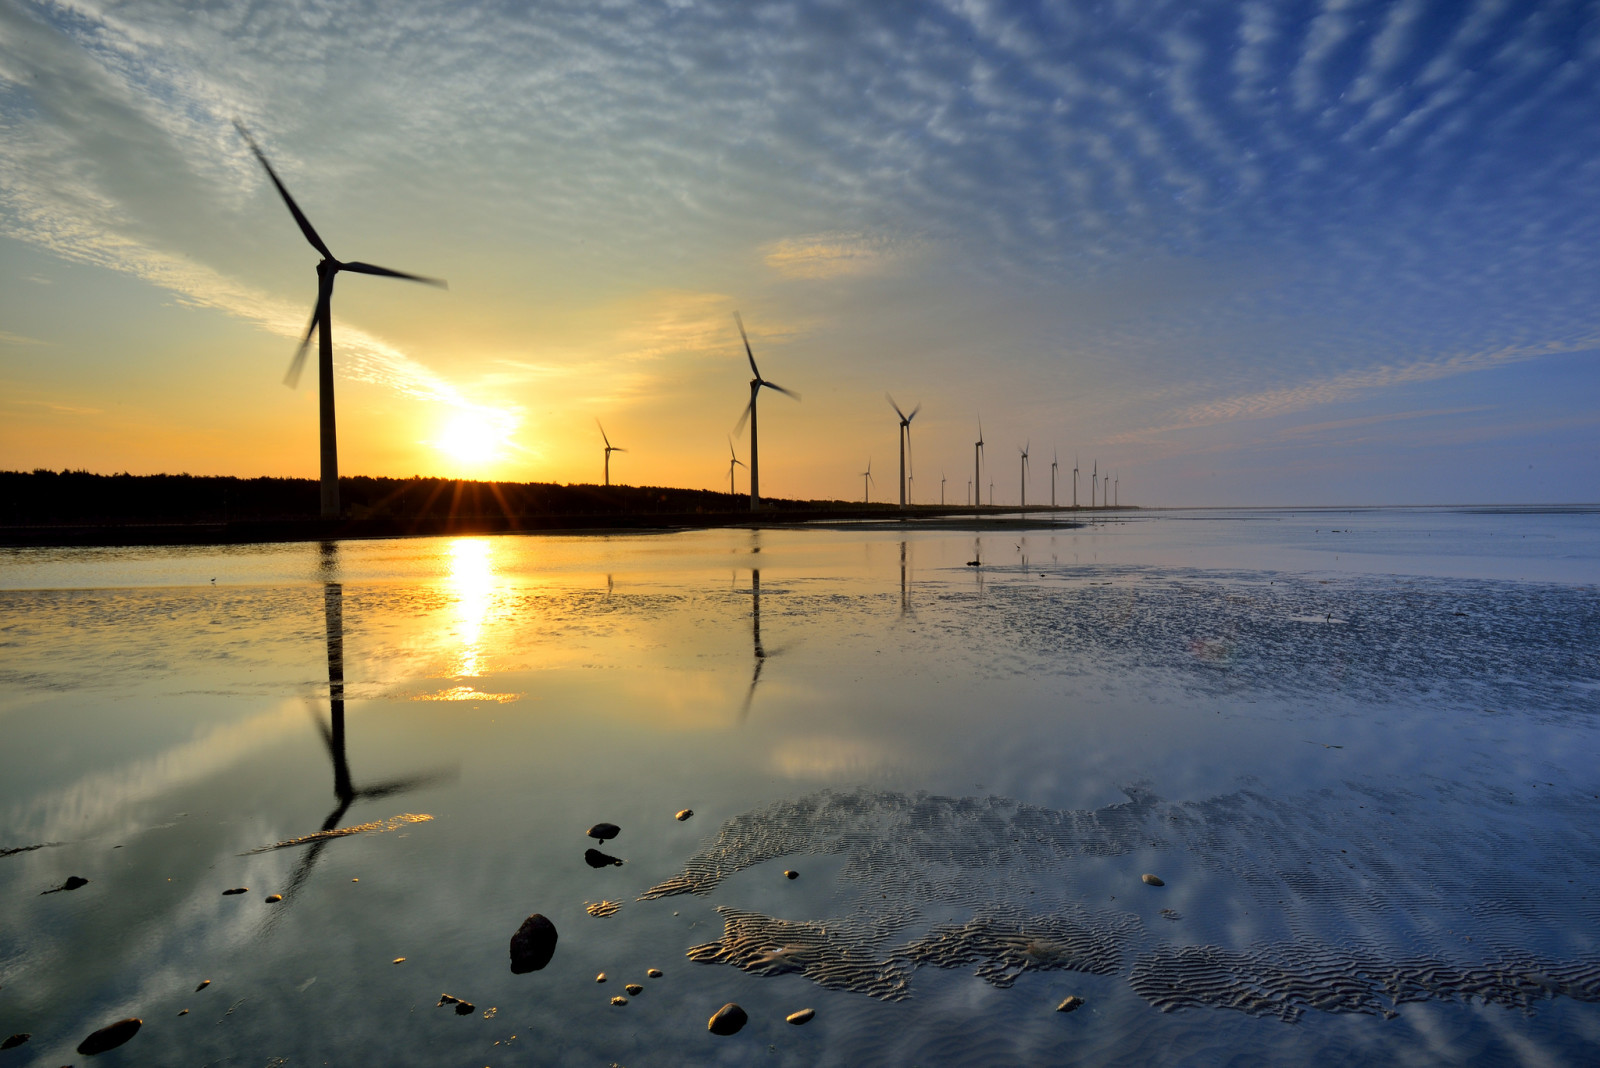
(322, 324)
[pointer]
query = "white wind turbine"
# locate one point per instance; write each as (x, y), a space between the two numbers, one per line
(750, 413)
(1074, 481)
(905, 441)
(977, 468)
(610, 448)
(733, 461)
(1053, 466)
(1023, 449)
(866, 483)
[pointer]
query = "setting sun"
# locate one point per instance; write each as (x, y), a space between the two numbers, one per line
(475, 438)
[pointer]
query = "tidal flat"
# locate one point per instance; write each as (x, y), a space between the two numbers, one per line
(1241, 787)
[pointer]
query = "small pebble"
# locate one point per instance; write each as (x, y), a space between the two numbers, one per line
(791, 874)
(634, 988)
(803, 1016)
(273, 899)
(654, 973)
(236, 890)
(1071, 1003)
(684, 814)
(600, 978)
(72, 883)
(16, 1040)
(183, 1012)
(398, 960)
(203, 984)
(110, 1037)
(727, 1020)
(1153, 880)
(604, 832)
(619, 1000)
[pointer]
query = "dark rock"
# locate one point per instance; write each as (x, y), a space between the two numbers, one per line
(654, 973)
(727, 1020)
(1153, 880)
(236, 890)
(684, 814)
(448, 999)
(596, 859)
(533, 945)
(1070, 1004)
(634, 988)
(464, 1008)
(203, 984)
(110, 1037)
(273, 899)
(72, 883)
(619, 1000)
(791, 874)
(15, 1040)
(803, 1016)
(604, 832)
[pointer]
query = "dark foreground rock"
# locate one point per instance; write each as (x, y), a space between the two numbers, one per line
(727, 1020)
(111, 1037)
(533, 945)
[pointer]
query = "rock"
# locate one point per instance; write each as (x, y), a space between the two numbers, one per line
(1153, 880)
(464, 1008)
(447, 999)
(596, 859)
(15, 1040)
(604, 832)
(634, 988)
(803, 1016)
(600, 978)
(72, 883)
(654, 973)
(110, 1037)
(236, 890)
(619, 1000)
(533, 945)
(1071, 1003)
(684, 814)
(183, 1012)
(727, 1020)
(203, 984)
(398, 960)
(273, 899)
(791, 874)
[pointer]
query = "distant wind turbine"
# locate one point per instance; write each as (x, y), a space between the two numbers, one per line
(1053, 466)
(322, 321)
(866, 483)
(1116, 492)
(1074, 481)
(750, 413)
(733, 461)
(905, 440)
(941, 487)
(1023, 449)
(1094, 481)
(977, 467)
(610, 448)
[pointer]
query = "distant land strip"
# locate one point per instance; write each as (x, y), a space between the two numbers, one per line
(66, 508)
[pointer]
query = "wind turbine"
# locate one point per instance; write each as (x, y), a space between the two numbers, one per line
(977, 467)
(322, 324)
(866, 483)
(733, 461)
(1074, 481)
(750, 413)
(610, 448)
(941, 487)
(1116, 492)
(1094, 480)
(1023, 449)
(1053, 466)
(905, 440)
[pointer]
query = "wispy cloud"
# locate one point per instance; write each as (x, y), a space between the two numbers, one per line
(832, 255)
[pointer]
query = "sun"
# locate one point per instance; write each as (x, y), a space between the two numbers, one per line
(474, 438)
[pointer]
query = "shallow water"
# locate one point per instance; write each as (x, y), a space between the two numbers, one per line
(1359, 747)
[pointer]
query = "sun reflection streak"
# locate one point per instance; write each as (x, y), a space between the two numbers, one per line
(472, 580)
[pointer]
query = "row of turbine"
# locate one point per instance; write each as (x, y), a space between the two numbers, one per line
(321, 324)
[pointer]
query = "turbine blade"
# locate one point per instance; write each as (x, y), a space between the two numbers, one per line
(738, 428)
(914, 412)
(895, 406)
(780, 389)
(603, 434)
(367, 268)
(746, 339)
(618, 448)
(298, 364)
(294, 209)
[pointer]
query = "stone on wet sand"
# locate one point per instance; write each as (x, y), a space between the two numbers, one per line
(273, 899)
(203, 984)
(72, 883)
(684, 814)
(1072, 1002)
(619, 1000)
(600, 978)
(1153, 880)
(533, 945)
(654, 973)
(790, 873)
(727, 1020)
(16, 1040)
(110, 1037)
(634, 988)
(803, 1016)
(604, 832)
(236, 890)
(596, 859)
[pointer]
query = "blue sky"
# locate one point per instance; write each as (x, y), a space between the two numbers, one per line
(1239, 253)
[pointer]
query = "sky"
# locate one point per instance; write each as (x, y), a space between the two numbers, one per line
(1235, 253)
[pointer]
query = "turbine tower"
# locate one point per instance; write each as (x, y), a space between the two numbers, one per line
(1053, 466)
(977, 467)
(1094, 481)
(750, 413)
(1116, 492)
(610, 448)
(941, 487)
(1023, 449)
(1074, 481)
(866, 483)
(905, 440)
(733, 461)
(322, 324)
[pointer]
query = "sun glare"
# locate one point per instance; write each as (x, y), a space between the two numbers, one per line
(475, 439)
